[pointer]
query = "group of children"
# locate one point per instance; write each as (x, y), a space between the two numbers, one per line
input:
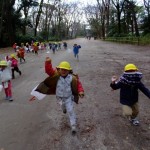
(68, 89)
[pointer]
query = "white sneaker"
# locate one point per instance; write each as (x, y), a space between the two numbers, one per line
(135, 122)
(73, 129)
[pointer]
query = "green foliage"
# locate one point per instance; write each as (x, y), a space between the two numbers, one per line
(53, 38)
(27, 38)
(146, 25)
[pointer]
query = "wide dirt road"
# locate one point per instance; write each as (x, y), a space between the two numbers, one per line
(41, 125)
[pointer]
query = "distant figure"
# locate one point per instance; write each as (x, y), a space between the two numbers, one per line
(76, 50)
(20, 54)
(14, 65)
(14, 46)
(65, 45)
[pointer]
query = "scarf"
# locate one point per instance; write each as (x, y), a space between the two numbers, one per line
(131, 78)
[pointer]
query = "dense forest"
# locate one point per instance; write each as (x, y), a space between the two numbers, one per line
(44, 20)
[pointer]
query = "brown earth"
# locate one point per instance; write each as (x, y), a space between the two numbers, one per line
(41, 125)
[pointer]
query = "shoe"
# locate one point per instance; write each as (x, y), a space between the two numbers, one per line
(64, 109)
(20, 73)
(135, 122)
(10, 99)
(73, 130)
(6, 98)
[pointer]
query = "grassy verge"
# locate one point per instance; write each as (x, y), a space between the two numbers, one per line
(130, 40)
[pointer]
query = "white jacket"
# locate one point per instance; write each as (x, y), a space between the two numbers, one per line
(5, 75)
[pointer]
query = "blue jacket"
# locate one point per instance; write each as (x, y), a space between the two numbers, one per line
(76, 49)
(129, 83)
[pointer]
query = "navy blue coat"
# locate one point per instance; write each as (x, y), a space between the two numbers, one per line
(129, 92)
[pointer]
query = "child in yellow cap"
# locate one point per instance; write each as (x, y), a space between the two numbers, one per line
(65, 85)
(5, 79)
(129, 83)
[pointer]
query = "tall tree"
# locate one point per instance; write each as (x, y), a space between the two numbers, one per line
(119, 4)
(25, 6)
(7, 22)
(38, 17)
(147, 7)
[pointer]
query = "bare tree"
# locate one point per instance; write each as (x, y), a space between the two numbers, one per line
(38, 17)
(147, 6)
(119, 7)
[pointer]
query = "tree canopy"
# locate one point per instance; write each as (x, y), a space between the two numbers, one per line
(26, 20)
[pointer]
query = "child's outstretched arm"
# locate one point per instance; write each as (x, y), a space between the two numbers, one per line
(113, 83)
(48, 67)
(145, 90)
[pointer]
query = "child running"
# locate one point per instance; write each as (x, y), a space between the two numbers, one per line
(14, 66)
(76, 51)
(129, 83)
(5, 79)
(65, 85)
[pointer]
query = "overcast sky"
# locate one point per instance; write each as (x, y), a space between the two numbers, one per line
(94, 1)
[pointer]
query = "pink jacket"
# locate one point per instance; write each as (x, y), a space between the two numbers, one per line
(14, 62)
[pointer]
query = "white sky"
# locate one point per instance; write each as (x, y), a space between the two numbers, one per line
(94, 1)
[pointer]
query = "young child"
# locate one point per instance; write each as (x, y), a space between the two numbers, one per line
(65, 45)
(76, 50)
(14, 66)
(20, 54)
(65, 85)
(129, 83)
(5, 79)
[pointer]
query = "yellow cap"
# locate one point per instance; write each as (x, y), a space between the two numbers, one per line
(130, 67)
(3, 63)
(13, 56)
(64, 65)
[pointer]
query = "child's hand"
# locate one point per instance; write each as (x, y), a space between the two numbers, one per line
(48, 59)
(114, 79)
(32, 98)
(81, 94)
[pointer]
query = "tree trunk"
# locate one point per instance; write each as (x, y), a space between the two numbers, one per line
(38, 18)
(1, 17)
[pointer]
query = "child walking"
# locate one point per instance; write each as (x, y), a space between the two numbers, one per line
(5, 79)
(65, 85)
(129, 83)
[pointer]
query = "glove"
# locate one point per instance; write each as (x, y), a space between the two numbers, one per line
(81, 94)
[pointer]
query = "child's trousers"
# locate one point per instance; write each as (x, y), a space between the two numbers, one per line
(8, 92)
(131, 111)
(68, 103)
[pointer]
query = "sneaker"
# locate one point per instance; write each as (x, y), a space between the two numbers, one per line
(20, 73)
(135, 122)
(64, 109)
(73, 129)
(6, 98)
(10, 99)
